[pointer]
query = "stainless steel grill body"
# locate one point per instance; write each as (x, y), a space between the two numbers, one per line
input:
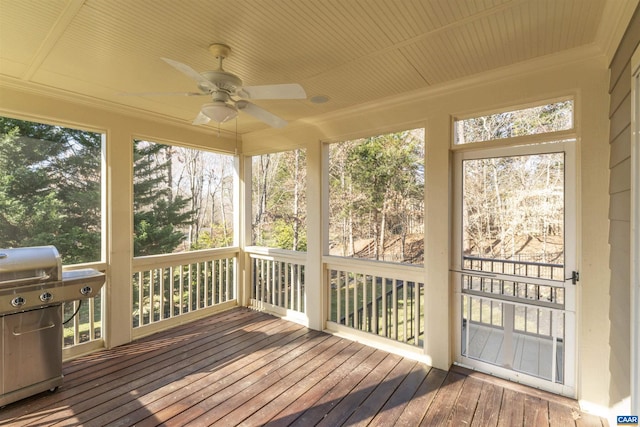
(32, 289)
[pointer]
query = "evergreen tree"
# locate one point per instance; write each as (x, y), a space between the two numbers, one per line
(50, 188)
(158, 214)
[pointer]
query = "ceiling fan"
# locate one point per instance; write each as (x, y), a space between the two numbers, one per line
(225, 87)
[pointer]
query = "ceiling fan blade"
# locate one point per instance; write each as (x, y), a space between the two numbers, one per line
(261, 114)
(283, 91)
(190, 72)
(200, 119)
(162, 93)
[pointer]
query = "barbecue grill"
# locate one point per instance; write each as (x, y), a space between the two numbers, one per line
(32, 290)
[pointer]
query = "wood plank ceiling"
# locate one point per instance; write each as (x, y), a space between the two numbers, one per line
(353, 52)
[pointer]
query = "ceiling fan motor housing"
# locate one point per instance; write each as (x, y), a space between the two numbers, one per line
(222, 80)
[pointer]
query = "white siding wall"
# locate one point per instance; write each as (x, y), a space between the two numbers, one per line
(619, 211)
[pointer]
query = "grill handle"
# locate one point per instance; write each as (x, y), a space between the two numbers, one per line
(16, 332)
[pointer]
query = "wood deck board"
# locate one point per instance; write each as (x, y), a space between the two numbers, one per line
(489, 405)
(275, 408)
(536, 411)
(379, 397)
(353, 400)
(124, 364)
(167, 402)
(242, 367)
(512, 409)
(151, 382)
(420, 403)
(465, 406)
(440, 410)
(395, 406)
(312, 398)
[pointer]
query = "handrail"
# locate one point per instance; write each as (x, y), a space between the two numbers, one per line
(153, 261)
(376, 268)
(274, 253)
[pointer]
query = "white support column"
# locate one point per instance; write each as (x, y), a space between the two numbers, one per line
(317, 214)
(244, 233)
(438, 307)
(118, 301)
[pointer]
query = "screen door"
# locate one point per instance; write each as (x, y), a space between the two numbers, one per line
(514, 263)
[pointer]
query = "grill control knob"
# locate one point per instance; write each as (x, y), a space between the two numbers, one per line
(18, 301)
(86, 290)
(46, 297)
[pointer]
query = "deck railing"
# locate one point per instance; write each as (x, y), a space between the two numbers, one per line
(277, 279)
(376, 297)
(174, 285)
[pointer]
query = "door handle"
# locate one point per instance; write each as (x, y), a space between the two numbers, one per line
(16, 332)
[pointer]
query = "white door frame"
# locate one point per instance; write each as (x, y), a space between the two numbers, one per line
(568, 388)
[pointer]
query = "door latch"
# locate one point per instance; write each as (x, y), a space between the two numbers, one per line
(575, 277)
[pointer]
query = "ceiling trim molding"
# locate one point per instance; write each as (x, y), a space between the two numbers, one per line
(616, 16)
(522, 68)
(75, 98)
(51, 39)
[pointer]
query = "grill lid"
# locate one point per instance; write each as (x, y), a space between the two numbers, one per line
(21, 266)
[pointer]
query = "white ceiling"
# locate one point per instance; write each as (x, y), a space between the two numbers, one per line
(353, 51)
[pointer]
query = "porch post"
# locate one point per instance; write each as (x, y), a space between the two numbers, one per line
(438, 304)
(119, 154)
(316, 216)
(242, 225)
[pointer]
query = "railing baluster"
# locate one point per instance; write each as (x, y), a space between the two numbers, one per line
(279, 283)
(161, 292)
(140, 298)
(220, 281)
(172, 302)
(394, 309)
(181, 280)
(300, 285)
(374, 306)
(152, 296)
(339, 297)
(356, 323)
(383, 298)
(208, 284)
(405, 316)
(198, 285)
(366, 322)
(346, 298)
(418, 303)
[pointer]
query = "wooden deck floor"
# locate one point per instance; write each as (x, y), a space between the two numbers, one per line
(242, 367)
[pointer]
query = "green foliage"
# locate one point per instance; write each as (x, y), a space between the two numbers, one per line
(376, 191)
(158, 214)
(528, 121)
(50, 188)
(213, 239)
(279, 200)
(284, 236)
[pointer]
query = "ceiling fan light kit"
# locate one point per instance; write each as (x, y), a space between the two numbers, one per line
(219, 112)
(224, 87)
